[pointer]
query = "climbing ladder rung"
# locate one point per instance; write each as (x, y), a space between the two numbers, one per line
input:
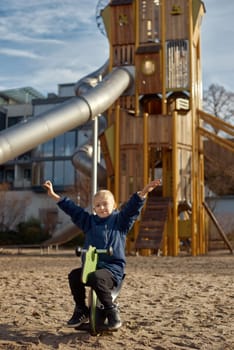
(153, 222)
(148, 244)
(151, 234)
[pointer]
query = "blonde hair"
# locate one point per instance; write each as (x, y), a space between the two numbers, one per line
(104, 194)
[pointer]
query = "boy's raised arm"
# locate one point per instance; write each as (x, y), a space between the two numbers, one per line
(50, 190)
(149, 187)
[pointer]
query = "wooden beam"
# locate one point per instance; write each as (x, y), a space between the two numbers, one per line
(219, 228)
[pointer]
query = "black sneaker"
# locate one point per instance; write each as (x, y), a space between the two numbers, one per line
(80, 315)
(113, 317)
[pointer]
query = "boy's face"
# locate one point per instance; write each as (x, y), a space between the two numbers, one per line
(103, 205)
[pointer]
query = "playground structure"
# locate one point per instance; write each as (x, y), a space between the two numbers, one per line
(152, 95)
(158, 124)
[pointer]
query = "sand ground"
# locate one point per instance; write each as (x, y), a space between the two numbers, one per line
(166, 304)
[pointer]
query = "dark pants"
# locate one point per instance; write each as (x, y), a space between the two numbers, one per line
(101, 281)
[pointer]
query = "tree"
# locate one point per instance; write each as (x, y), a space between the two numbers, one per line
(220, 103)
(12, 208)
(219, 173)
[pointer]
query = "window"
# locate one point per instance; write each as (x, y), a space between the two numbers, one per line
(1, 175)
(59, 146)
(64, 173)
(14, 120)
(69, 173)
(27, 174)
(70, 143)
(47, 171)
(10, 175)
(62, 145)
(58, 173)
(47, 149)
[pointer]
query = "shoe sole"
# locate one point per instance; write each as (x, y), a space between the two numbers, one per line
(78, 323)
(106, 328)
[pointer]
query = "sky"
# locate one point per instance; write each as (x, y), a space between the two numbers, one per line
(49, 42)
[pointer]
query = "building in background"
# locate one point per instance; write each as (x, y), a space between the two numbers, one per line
(25, 174)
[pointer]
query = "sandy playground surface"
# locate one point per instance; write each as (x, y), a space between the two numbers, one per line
(166, 304)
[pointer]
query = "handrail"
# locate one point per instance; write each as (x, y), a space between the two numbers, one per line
(220, 140)
(217, 122)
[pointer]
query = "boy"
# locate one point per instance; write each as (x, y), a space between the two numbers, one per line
(107, 227)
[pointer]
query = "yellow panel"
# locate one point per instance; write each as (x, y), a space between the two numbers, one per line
(185, 228)
(110, 137)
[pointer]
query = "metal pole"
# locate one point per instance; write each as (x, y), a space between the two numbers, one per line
(95, 152)
(95, 156)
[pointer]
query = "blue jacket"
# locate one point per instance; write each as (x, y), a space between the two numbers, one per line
(103, 233)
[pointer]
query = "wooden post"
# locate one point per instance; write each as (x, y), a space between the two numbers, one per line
(137, 10)
(175, 183)
(145, 252)
(137, 42)
(193, 112)
(163, 59)
(164, 173)
(145, 150)
(203, 238)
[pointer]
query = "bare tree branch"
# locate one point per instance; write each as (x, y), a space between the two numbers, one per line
(220, 103)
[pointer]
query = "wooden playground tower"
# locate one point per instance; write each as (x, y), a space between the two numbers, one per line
(153, 128)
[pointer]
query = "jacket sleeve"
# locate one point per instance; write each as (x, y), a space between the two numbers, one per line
(78, 215)
(130, 212)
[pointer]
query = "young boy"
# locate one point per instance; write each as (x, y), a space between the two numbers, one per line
(107, 227)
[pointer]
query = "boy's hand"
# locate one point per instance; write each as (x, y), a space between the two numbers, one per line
(149, 187)
(50, 190)
(152, 185)
(48, 186)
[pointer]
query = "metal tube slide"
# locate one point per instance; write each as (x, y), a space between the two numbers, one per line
(71, 114)
(91, 80)
(63, 235)
(82, 157)
(82, 161)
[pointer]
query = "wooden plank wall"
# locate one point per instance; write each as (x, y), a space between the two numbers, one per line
(159, 130)
(131, 171)
(123, 31)
(148, 83)
(131, 130)
(184, 175)
(184, 129)
(177, 24)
